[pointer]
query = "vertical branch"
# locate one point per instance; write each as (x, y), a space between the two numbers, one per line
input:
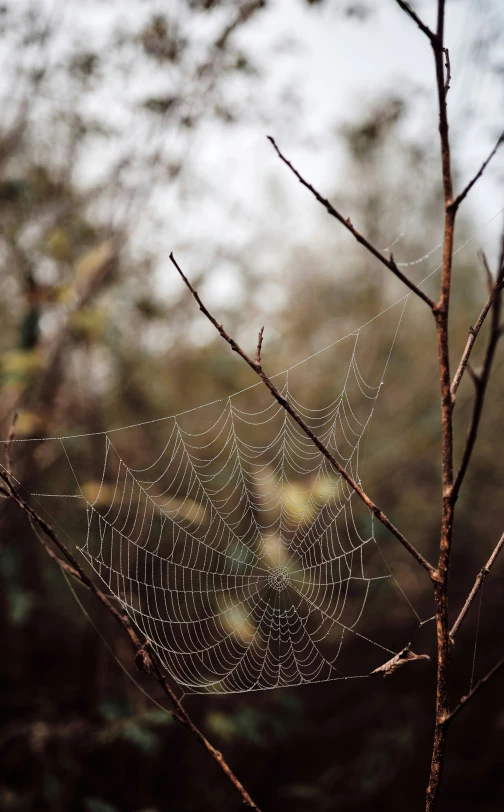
(441, 315)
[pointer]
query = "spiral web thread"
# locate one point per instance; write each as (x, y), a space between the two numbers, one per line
(247, 563)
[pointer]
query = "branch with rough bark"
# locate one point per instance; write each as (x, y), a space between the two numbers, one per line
(450, 484)
(146, 658)
(257, 367)
(345, 221)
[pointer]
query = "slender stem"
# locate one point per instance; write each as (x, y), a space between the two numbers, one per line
(477, 586)
(150, 661)
(481, 379)
(256, 366)
(463, 194)
(409, 11)
(483, 681)
(441, 314)
(473, 334)
(388, 262)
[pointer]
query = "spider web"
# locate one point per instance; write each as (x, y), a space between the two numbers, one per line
(230, 540)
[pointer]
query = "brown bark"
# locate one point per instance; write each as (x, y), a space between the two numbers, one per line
(143, 653)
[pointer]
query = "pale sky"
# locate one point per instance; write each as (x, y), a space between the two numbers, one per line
(336, 68)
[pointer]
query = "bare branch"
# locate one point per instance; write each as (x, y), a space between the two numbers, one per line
(389, 263)
(321, 447)
(483, 681)
(473, 334)
(448, 71)
(463, 194)
(409, 11)
(144, 653)
(486, 268)
(259, 346)
(8, 443)
(481, 380)
(441, 313)
(477, 586)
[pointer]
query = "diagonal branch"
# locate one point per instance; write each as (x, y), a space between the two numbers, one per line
(146, 659)
(409, 11)
(463, 194)
(256, 366)
(481, 379)
(465, 699)
(473, 334)
(477, 586)
(389, 263)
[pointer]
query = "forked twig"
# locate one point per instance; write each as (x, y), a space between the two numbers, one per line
(473, 334)
(293, 413)
(481, 379)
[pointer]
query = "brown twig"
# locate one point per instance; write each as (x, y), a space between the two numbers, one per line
(409, 11)
(481, 379)
(476, 587)
(486, 268)
(148, 655)
(448, 502)
(448, 71)
(290, 409)
(483, 681)
(8, 443)
(389, 263)
(463, 194)
(259, 347)
(473, 334)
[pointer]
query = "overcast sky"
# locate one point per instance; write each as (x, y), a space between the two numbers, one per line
(336, 67)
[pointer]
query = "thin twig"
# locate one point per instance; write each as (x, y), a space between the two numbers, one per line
(473, 334)
(463, 194)
(486, 268)
(259, 347)
(290, 409)
(8, 443)
(483, 681)
(448, 70)
(409, 11)
(477, 586)
(389, 263)
(149, 658)
(481, 379)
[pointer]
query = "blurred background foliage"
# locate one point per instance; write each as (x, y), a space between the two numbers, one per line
(95, 336)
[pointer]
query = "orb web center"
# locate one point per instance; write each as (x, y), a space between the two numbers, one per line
(279, 578)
